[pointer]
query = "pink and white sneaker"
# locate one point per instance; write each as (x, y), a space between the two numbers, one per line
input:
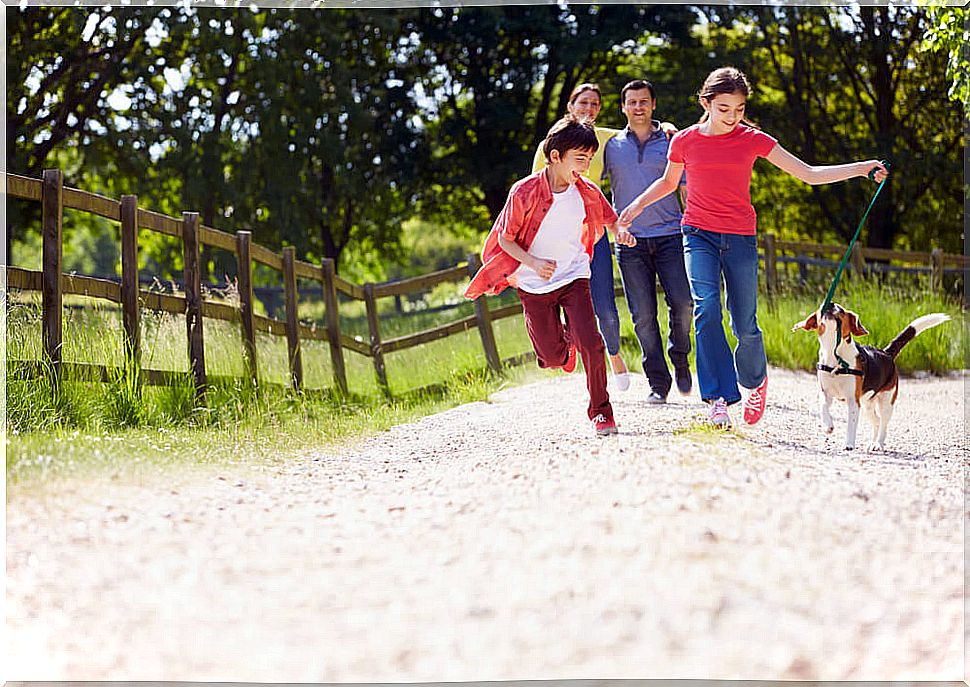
(718, 414)
(754, 404)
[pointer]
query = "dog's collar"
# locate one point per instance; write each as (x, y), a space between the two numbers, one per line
(838, 370)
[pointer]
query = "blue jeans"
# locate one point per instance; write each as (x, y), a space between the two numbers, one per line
(604, 298)
(640, 266)
(710, 257)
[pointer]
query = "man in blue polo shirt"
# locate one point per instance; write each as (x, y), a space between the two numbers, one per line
(633, 159)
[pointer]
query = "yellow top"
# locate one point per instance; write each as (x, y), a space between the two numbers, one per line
(595, 171)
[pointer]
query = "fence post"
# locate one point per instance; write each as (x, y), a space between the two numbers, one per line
(333, 324)
(375, 339)
(858, 259)
(771, 264)
(484, 319)
(936, 265)
(292, 321)
(52, 204)
(193, 301)
(244, 272)
(130, 301)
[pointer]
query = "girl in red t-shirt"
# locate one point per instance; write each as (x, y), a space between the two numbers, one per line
(718, 154)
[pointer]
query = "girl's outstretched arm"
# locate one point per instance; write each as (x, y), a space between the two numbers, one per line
(663, 186)
(823, 174)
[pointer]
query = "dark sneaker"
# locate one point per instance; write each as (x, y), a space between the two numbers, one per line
(656, 399)
(754, 404)
(684, 381)
(605, 426)
(571, 356)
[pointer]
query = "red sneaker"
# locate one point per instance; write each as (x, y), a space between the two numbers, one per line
(605, 426)
(571, 356)
(754, 404)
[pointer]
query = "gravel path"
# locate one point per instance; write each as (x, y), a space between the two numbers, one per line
(502, 540)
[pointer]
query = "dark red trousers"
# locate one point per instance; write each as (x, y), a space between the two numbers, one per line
(551, 339)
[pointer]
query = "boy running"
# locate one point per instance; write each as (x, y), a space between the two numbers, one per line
(541, 243)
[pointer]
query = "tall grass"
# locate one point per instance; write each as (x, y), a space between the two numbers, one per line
(43, 421)
(883, 309)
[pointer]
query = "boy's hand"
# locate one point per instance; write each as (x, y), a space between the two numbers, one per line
(625, 238)
(544, 268)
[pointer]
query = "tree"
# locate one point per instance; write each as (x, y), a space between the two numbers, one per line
(842, 84)
(949, 32)
(484, 69)
(63, 66)
(337, 148)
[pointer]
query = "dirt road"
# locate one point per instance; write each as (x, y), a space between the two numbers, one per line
(502, 540)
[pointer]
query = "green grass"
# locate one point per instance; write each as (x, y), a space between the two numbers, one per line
(883, 310)
(266, 430)
(121, 426)
(704, 432)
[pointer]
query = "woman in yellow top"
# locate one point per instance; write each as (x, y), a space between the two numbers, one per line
(584, 103)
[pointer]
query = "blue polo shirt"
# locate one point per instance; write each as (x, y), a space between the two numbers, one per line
(632, 166)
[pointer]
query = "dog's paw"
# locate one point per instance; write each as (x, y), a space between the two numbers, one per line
(874, 447)
(828, 428)
(850, 447)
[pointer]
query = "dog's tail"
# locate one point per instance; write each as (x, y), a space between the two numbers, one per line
(915, 327)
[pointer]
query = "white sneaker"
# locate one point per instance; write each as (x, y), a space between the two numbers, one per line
(718, 414)
(622, 381)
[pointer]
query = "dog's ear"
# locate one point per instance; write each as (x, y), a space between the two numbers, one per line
(808, 324)
(854, 325)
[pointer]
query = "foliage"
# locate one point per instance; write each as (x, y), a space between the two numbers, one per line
(839, 84)
(949, 33)
(330, 129)
(484, 66)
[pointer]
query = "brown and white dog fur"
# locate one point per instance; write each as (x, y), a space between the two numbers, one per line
(874, 385)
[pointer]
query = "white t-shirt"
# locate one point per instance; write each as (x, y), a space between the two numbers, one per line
(559, 238)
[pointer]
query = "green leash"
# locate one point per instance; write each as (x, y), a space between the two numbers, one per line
(848, 252)
(845, 258)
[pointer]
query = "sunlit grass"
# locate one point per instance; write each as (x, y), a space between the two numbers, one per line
(121, 426)
(704, 432)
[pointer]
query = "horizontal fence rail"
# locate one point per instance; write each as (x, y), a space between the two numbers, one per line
(194, 300)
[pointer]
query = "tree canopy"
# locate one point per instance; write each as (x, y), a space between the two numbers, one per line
(330, 128)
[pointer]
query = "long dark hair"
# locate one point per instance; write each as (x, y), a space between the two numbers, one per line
(724, 80)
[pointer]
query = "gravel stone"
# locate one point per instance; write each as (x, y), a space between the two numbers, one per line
(504, 541)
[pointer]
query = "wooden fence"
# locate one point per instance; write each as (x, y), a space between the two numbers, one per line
(53, 284)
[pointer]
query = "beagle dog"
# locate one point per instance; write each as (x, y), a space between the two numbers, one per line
(862, 376)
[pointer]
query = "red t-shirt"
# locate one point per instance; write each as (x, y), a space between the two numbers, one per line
(719, 176)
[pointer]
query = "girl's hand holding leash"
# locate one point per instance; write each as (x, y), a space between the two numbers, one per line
(876, 170)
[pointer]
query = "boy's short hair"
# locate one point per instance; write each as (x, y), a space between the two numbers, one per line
(570, 133)
(636, 85)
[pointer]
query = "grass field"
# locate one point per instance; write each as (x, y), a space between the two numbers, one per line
(116, 423)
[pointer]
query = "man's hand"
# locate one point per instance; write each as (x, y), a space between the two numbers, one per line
(544, 268)
(668, 128)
